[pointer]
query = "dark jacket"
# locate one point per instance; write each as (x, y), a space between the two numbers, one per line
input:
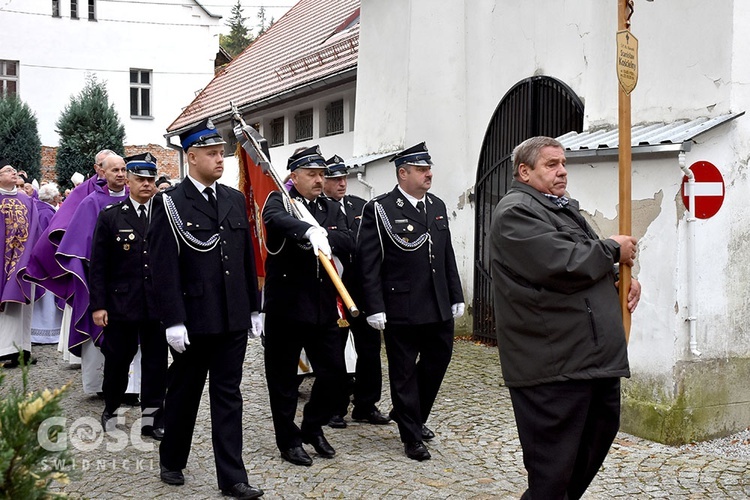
(297, 286)
(120, 278)
(557, 310)
(412, 286)
(211, 291)
(353, 206)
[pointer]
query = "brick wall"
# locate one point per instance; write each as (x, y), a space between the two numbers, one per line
(168, 160)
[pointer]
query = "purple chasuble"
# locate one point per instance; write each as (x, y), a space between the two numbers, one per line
(73, 255)
(20, 230)
(43, 268)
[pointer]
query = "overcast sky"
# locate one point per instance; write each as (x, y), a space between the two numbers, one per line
(274, 8)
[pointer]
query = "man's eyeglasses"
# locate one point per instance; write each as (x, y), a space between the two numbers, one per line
(8, 170)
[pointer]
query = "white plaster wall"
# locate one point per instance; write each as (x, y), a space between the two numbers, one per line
(174, 39)
(692, 64)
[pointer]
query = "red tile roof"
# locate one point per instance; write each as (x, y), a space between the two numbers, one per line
(313, 40)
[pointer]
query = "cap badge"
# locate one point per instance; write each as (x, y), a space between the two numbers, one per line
(210, 125)
(149, 158)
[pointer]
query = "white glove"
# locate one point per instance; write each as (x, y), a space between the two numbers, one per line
(177, 337)
(458, 310)
(257, 326)
(377, 321)
(319, 240)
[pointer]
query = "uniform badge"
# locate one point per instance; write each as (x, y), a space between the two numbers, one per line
(125, 207)
(118, 238)
(410, 228)
(189, 224)
(429, 200)
(131, 236)
(399, 202)
(126, 246)
(343, 323)
(210, 125)
(405, 239)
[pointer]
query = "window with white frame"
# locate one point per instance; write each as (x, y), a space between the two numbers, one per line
(303, 125)
(140, 93)
(335, 117)
(8, 78)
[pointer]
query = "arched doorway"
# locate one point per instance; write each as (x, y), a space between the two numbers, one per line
(539, 105)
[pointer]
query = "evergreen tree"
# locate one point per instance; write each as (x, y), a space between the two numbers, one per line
(86, 126)
(19, 136)
(262, 24)
(239, 36)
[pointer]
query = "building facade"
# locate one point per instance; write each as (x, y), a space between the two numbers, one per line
(153, 56)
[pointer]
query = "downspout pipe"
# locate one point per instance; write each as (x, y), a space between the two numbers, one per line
(690, 254)
(362, 181)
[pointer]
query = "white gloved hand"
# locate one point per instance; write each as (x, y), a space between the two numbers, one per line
(458, 310)
(257, 325)
(177, 337)
(319, 240)
(377, 321)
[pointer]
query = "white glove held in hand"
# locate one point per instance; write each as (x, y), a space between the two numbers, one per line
(377, 321)
(319, 240)
(458, 310)
(177, 337)
(257, 329)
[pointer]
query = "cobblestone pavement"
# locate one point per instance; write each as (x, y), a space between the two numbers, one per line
(476, 453)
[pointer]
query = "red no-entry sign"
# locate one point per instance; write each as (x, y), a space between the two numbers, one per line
(709, 189)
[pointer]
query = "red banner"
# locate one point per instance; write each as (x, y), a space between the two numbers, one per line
(256, 186)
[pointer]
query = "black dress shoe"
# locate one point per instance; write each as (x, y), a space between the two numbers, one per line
(243, 490)
(109, 421)
(427, 434)
(173, 477)
(337, 422)
(153, 432)
(296, 455)
(321, 445)
(416, 451)
(373, 417)
(131, 399)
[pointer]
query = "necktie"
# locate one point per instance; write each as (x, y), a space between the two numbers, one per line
(211, 198)
(422, 211)
(142, 216)
(312, 208)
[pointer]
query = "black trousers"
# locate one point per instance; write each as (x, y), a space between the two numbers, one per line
(566, 429)
(220, 356)
(119, 346)
(284, 340)
(368, 374)
(415, 384)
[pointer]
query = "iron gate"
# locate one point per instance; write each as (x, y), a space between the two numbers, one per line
(539, 105)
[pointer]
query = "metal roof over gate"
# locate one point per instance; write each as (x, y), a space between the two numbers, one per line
(646, 138)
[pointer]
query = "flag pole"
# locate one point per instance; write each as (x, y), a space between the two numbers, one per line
(257, 148)
(624, 11)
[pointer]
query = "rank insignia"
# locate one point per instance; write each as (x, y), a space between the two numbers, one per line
(399, 202)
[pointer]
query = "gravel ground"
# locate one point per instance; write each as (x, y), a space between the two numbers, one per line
(734, 446)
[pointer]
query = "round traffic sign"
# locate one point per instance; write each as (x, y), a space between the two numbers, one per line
(709, 189)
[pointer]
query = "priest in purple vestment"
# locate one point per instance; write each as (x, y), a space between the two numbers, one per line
(19, 230)
(74, 250)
